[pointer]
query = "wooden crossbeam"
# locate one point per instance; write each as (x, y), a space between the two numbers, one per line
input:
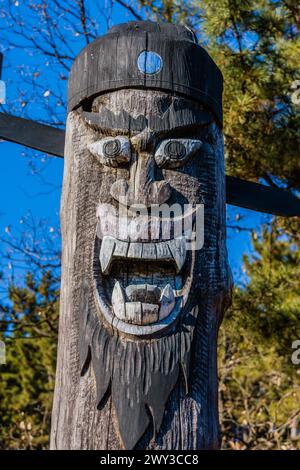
(239, 192)
(260, 198)
(32, 134)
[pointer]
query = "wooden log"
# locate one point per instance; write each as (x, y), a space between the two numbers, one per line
(124, 378)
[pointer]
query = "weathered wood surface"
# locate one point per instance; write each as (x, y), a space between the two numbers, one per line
(185, 395)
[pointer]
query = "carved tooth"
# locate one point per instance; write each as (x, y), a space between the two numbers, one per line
(153, 293)
(150, 313)
(143, 293)
(167, 302)
(149, 251)
(106, 253)
(163, 252)
(118, 301)
(178, 249)
(167, 294)
(134, 312)
(121, 249)
(136, 292)
(135, 250)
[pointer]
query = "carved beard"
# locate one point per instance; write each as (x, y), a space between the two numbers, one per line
(139, 375)
(137, 371)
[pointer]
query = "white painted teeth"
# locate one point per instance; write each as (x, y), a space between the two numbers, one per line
(142, 313)
(143, 292)
(167, 302)
(171, 250)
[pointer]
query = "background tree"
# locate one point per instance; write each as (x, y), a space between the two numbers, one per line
(259, 384)
(27, 378)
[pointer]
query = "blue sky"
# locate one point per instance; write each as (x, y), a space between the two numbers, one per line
(24, 191)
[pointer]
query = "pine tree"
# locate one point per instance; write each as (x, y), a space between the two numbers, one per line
(29, 330)
(259, 384)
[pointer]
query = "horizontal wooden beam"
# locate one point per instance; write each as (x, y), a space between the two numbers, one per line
(261, 198)
(239, 192)
(32, 134)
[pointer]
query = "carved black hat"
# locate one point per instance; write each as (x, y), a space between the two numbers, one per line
(144, 54)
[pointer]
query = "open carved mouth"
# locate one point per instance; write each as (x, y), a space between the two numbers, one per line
(144, 285)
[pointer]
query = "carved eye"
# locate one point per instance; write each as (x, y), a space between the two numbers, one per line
(111, 151)
(175, 150)
(173, 153)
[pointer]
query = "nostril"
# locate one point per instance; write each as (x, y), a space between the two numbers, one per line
(156, 192)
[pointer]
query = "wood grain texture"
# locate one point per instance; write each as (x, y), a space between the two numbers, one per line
(113, 372)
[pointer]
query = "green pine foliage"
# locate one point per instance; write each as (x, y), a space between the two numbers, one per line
(259, 384)
(29, 330)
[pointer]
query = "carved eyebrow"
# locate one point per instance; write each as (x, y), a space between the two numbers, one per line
(107, 121)
(124, 123)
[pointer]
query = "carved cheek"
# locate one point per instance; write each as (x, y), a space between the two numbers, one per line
(186, 185)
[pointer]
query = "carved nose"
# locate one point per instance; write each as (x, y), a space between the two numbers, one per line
(141, 187)
(156, 193)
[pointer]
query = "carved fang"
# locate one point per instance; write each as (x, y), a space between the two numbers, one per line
(118, 301)
(167, 302)
(178, 250)
(106, 252)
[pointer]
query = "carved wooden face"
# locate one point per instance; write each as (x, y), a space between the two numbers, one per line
(154, 148)
(132, 152)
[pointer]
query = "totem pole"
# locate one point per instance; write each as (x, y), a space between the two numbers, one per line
(145, 282)
(141, 305)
